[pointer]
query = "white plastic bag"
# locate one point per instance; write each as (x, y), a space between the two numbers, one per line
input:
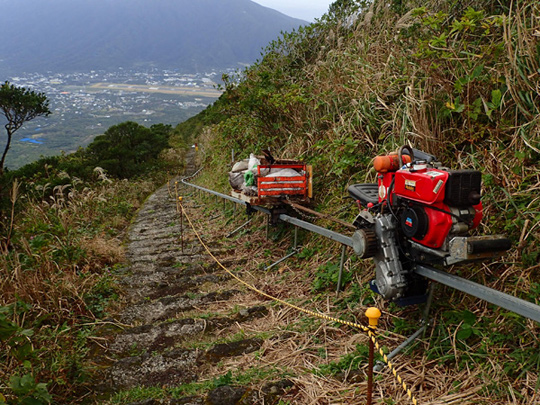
(253, 162)
(240, 166)
(249, 190)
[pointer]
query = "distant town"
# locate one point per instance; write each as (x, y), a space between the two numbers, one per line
(85, 104)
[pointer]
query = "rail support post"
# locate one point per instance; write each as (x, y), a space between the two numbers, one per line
(341, 263)
(239, 228)
(424, 325)
(282, 259)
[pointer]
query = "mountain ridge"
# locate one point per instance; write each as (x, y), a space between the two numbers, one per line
(78, 35)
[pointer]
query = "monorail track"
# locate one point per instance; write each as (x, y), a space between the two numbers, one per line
(519, 306)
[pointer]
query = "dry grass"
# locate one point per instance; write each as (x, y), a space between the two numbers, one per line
(300, 346)
(55, 277)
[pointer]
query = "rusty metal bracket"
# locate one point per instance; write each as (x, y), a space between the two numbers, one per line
(275, 213)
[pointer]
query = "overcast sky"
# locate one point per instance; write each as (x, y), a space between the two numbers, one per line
(304, 9)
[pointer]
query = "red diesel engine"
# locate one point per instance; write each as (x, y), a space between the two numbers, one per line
(418, 212)
(437, 202)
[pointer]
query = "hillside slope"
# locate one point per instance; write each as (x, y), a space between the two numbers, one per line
(459, 80)
(68, 35)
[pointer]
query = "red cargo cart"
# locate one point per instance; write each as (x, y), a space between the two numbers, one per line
(273, 188)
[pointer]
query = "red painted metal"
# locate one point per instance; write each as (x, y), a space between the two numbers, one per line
(282, 186)
(424, 185)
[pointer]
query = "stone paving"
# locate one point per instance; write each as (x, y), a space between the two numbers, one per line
(163, 286)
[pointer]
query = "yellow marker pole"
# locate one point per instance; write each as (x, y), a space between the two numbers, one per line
(180, 211)
(373, 315)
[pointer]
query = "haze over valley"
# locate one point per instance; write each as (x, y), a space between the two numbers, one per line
(86, 104)
(102, 62)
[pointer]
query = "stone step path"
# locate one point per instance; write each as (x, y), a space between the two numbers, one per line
(164, 288)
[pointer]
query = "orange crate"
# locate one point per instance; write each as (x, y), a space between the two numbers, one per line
(282, 186)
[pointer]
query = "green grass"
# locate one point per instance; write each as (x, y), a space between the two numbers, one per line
(200, 388)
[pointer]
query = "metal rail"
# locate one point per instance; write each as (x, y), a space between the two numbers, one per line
(338, 237)
(503, 300)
